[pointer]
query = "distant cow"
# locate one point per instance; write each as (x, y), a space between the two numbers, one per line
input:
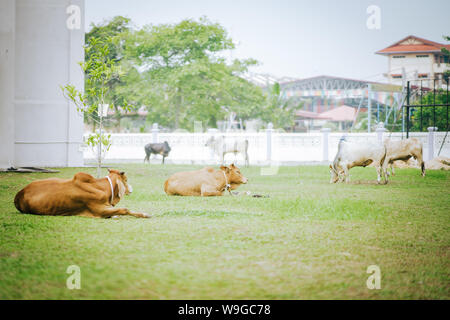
(157, 148)
(204, 182)
(351, 155)
(403, 150)
(221, 147)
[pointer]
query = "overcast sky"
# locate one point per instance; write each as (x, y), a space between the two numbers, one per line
(298, 38)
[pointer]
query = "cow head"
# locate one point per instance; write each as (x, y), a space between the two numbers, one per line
(334, 175)
(234, 175)
(122, 185)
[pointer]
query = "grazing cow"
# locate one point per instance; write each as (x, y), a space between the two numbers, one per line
(351, 155)
(222, 147)
(83, 195)
(403, 150)
(157, 148)
(204, 182)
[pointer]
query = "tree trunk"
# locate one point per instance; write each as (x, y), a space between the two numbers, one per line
(178, 106)
(117, 116)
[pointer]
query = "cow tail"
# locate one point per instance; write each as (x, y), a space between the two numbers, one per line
(422, 165)
(18, 199)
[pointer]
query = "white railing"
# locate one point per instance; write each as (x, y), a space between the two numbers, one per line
(264, 147)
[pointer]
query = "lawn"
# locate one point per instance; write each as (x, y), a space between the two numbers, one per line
(308, 240)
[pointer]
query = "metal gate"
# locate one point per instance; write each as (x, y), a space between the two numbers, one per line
(427, 102)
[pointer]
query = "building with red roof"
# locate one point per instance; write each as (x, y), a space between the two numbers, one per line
(415, 59)
(343, 116)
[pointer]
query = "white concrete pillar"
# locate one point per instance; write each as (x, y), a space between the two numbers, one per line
(155, 132)
(48, 129)
(7, 53)
(269, 131)
(325, 144)
(431, 131)
(380, 132)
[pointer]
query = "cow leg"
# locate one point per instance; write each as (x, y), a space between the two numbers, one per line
(105, 211)
(163, 160)
(247, 162)
(392, 168)
(421, 163)
(382, 170)
(341, 176)
(208, 191)
(379, 173)
(346, 176)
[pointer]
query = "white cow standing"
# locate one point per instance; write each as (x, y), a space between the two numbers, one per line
(351, 155)
(221, 147)
(403, 150)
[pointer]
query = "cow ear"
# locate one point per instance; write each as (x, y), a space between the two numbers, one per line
(331, 167)
(109, 170)
(232, 165)
(223, 168)
(122, 173)
(121, 188)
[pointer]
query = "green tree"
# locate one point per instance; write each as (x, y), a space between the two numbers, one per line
(100, 69)
(279, 109)
(430, 114)
(122, 86)
(186, 77)
(447, 53)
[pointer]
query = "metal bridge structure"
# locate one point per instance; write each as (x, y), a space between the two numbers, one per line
(377, 98)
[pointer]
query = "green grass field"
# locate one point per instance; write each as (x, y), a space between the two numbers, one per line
(308, 240)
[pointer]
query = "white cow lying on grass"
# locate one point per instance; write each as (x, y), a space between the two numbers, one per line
(351, 155)
(438, 163)
(403, 150)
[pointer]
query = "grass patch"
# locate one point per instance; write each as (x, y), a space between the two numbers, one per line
(308, 240)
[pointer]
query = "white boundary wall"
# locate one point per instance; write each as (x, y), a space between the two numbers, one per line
(286, 148)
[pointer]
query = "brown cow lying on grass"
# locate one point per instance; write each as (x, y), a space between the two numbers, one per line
(204, 182)
(83, 195)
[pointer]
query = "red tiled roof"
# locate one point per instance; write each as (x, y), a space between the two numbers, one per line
(342, 113)
(307, 114)
(426, 46)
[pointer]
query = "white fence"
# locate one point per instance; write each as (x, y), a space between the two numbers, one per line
(264, 147)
